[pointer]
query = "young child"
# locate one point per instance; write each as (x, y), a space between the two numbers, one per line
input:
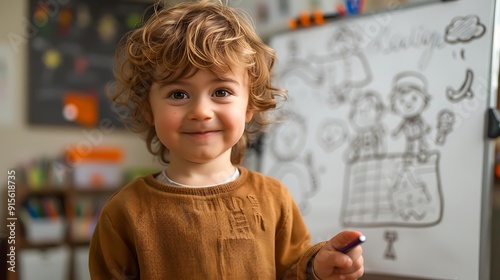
(195, 78)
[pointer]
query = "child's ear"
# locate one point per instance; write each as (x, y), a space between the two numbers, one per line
(249, 115)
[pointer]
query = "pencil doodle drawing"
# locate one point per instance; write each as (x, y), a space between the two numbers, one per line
(409, 98)
(331, 134)
(409, 196)
(390, 236)
(381, 188)
(465, 91)
(464, 29)
(393, 191)
(299, 68)
(341, 70)
(446, 120)
(345, 64)
(295, 165)
(365, 117)
(461, 54)
(288, 138)
(301, 178)
(396, 189)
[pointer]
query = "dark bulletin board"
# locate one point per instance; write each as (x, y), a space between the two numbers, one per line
(71, 56)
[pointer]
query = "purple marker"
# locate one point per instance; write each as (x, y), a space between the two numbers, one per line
(352, 244)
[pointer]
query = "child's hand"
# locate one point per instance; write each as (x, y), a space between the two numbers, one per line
(334, 265)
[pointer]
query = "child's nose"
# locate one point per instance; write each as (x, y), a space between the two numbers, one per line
(201, 109)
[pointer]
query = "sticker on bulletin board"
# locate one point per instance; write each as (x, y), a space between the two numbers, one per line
(71, 59)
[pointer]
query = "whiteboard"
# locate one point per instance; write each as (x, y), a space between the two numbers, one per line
(384, 132)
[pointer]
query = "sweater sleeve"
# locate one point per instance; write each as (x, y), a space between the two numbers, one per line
(110, 257)
(293, 247)
(302, 270)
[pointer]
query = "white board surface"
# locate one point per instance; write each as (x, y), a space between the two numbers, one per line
(383, 132)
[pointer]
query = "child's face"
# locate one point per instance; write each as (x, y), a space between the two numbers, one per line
(409, 103)
(366, 114)
(200, 118)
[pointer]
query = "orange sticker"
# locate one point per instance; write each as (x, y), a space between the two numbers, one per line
(81, 108)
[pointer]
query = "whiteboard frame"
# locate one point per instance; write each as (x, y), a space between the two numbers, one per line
(489, 158)
(489, 146)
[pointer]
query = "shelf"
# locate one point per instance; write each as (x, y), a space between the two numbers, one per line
(78, 243)
(54, 190)
(22, 243)
(75, 203)
(94, 190)
(23, 191)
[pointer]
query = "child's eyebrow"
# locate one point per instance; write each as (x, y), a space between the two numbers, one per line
(225, 79)
(179, 83)
(214, 80)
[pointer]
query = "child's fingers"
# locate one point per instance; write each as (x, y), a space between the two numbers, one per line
(340, 266)
(355, 253)
(343, 238)
(346, 263)
(356, 266)
(353, 275)
(329, 261)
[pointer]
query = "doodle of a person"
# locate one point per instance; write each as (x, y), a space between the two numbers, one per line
(346, 66)
(297, 67)
(366, 112)
(409, 98)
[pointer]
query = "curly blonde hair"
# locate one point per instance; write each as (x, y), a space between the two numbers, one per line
(183, 38)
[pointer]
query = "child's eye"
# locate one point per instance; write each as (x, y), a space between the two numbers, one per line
(177, 95)
(221, 93)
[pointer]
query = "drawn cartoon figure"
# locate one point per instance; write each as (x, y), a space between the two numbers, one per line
(341, 70)
(409, 98)
(446, 120)
(295, 164)
(346, 66)
(366, 112)
(300, 68)
(409, 196)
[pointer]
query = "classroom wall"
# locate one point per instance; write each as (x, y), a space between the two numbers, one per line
(19, 141)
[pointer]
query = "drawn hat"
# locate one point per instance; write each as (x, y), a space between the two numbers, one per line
(410, 79)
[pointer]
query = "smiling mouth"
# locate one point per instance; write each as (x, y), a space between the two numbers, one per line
(201, 133)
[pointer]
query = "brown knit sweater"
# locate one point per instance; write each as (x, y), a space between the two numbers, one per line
(246, 229)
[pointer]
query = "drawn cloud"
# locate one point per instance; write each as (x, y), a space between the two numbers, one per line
(464, 29)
